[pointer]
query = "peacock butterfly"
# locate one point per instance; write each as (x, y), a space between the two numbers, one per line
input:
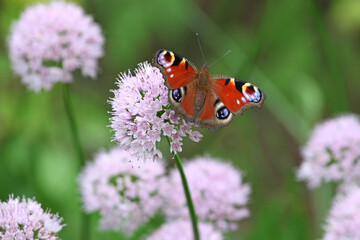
(207, 100)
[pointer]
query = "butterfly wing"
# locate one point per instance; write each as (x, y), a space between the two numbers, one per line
(214, 114)
(237, 95)
(177, 71)
(180, 75)
(225, 97)
(182, 100)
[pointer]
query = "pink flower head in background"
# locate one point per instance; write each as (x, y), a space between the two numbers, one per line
(182, 230)
(124, 196)
(141, 114)
(50, 41)
(217, 190)
(25, 219)
(332, 152)
(343, 222)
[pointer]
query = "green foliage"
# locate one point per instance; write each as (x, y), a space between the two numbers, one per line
(302, 54)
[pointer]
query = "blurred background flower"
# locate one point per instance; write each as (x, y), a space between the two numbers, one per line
(124, 196)
(25, 219)
(142, 114)
(181, 230)
(50, 41)
(343, 222)
(219, 194)
(332, 152)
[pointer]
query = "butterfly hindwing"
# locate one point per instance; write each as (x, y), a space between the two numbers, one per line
(182, 100)
(177, 71)
(237, 95)
(214, 114)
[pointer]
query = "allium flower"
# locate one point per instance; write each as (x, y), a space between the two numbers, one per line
(333, 151)
(50, 41)
(141, 114)
(217, 190)
(182, 230)
(125, 196)
(25, 219)
(344, 219)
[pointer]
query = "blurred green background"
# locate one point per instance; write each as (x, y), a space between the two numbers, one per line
(304, 54)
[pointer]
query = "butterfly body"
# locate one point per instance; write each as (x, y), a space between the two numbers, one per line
(197, 96)
(202, 88)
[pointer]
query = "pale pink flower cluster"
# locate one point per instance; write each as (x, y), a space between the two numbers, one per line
(25, 219)
(141, 114)
(218, 192)
(51, 40)
(182, 230)
(332, 152)
(343, 222)
(125, 196)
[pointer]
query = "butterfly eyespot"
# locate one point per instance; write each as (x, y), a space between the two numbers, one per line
(249, 89)
(176, 94)
(222, 113)
(166, 58)
(251, 93)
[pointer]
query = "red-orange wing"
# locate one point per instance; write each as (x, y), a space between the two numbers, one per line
(177, 71)
(208, 111)
(182, 100)
(237, 95)
(213, 114)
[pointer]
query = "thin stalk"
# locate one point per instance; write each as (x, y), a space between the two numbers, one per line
(73, 127)
(85, 233)
(187, 194)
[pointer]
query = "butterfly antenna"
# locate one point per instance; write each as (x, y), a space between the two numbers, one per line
(202, 53)
(220, 58)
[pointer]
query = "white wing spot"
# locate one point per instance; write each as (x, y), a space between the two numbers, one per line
(172, 75)
(238, 102)
(243, 99)
(257, 96)
(168, 70)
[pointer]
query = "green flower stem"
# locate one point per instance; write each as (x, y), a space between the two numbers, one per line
(74, 132)
(187, 194)
(85, 233)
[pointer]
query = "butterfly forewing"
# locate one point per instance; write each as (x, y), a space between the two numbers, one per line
(178, 71)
